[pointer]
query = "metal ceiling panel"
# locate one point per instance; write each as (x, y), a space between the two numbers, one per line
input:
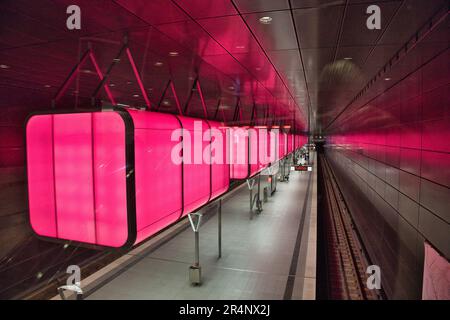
(316, 3)
(180, 39)
(315, 61)
(190, 35)
(154, 12)
(412, 15)
(318, 27)
(232, 33)
(20, 17)
(286, 60)
(356, 55)
(198, 9)
(247, 6)
(355, 31)
(279, 34)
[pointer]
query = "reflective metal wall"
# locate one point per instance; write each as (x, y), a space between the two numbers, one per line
(392, 160)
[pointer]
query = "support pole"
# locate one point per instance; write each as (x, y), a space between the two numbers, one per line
(197, 249)
(195, 270)
(258, 198)
(219, 215)
(255, 199)
(282, 170)
(251, 203)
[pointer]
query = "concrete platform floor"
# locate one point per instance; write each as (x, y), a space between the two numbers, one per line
(263, 258)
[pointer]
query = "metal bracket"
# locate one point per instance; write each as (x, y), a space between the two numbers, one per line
(76, 69)
(195, 220)
(108, 71)
(217, 109)
(74, 289)
(250, 183)
(175, 97)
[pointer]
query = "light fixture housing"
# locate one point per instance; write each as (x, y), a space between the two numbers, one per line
(265, 20)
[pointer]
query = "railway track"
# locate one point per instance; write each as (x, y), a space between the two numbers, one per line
(346, 261)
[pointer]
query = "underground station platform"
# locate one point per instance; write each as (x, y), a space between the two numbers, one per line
(269, 255)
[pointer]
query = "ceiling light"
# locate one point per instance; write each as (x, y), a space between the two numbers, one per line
(173, 53)
(136, 95)
(116, 59)
(47, 86)
(348, 58)
(129, 82)
(387, 79)
(158, 63)
(265, 20)
(224, 107)
(112, 85)
(231, 87)
(166, 102)
(4, 66)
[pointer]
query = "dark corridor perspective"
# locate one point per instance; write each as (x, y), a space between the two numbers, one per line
(331, 116)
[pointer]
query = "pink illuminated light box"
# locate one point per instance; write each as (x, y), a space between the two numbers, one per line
(108, 179)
